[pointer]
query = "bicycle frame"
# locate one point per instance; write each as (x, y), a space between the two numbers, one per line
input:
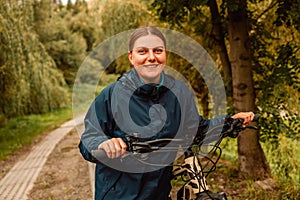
(193, 171)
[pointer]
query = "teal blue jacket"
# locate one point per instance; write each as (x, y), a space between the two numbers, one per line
(126, 107)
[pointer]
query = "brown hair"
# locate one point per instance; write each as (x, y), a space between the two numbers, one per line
(144, 31)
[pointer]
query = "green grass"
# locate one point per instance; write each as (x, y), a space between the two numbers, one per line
(21, 131)
(284, 161)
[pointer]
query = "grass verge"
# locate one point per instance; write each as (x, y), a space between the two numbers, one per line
(21, 131)
(284, 161)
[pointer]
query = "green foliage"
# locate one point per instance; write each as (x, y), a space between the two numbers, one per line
(276, 59)
(284, 160)
(190, 17)
(84, 24)
(193, 18)
(178, 12)
(2, 120)
(21, 131)
(66, 47)
(275, 46)
(274, 31)
(118, 16)
(92, 69)
(29, 79)
(193, 77)
(287, 13)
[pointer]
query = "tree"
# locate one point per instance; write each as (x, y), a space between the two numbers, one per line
(218, 35)
(244, 98)
(29, 79)
(67, 46)
(118, 16)
(252, 161)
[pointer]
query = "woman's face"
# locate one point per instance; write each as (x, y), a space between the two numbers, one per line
(148, 57)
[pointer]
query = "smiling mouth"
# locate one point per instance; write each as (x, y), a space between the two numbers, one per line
(152, 65)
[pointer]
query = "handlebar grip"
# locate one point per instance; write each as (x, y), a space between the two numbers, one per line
(256, 118)
(99, 154)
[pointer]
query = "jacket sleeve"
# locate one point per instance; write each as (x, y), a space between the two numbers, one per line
(98, 126)
(195, 126)
(218, 126)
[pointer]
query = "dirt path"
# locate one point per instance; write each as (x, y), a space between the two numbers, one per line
(65, 175)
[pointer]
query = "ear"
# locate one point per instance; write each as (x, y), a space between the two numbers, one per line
(130, 57)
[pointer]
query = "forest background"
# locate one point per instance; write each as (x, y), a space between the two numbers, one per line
(43, 44)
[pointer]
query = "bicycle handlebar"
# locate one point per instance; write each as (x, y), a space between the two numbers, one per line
(136, 147)
(236, 125)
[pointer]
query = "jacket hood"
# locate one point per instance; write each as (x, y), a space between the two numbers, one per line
(130, 80)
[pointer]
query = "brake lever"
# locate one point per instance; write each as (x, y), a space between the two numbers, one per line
(152, 145)
(142, 147)
(237, 126)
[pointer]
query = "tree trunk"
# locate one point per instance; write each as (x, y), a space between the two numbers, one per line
(218, 36)
(252, 161)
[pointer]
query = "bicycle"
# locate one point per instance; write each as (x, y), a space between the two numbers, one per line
(198, 162)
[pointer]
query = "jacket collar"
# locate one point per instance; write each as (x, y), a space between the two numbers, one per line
(132, 81)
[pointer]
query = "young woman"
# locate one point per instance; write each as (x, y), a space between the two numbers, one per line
(151, 103)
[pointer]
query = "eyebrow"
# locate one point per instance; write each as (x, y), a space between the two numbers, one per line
(150, 48)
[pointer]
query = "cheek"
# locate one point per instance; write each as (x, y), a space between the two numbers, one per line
(138, 59)
(162, 58)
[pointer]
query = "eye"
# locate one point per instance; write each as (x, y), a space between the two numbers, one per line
(158, 50)
(141, 51)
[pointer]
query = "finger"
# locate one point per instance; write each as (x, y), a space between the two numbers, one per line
(249, 117)
(247, 120)
(114, 147)
(109, 148)
(123, 146)
(252, 116)
(119, 147)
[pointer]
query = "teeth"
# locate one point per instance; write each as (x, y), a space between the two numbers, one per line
(151, 66)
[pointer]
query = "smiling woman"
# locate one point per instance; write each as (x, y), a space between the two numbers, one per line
(145, 103)
(147, 54)
(148, 58)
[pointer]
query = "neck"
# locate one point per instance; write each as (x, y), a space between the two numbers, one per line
(157, 82)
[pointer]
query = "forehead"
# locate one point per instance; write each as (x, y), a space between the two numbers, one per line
(149, 41)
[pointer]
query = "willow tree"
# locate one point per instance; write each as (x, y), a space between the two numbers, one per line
(118, 16)
(62, 32)
(29, 79)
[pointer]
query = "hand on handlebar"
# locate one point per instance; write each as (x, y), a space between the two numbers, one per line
(239, 122)
(114, 147)
(246, 116)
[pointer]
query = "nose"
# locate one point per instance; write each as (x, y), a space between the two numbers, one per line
(151, 56)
